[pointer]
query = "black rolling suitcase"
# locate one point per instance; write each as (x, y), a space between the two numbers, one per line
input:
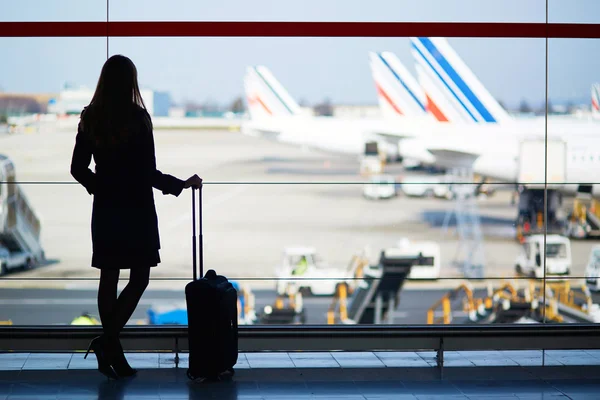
(212, 317)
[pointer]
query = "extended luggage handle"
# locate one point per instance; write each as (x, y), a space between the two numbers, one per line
(194, 243)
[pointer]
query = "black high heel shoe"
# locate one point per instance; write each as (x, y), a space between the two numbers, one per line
(97, 345)
(119, 362)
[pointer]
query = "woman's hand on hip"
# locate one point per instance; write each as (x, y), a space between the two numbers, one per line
(193, 181)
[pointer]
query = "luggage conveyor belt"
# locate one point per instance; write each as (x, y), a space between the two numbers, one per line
(562, 303)
(584, 219)
(376, 296)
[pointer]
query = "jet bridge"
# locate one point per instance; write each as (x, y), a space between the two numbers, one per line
(377, 294)
(20, 227)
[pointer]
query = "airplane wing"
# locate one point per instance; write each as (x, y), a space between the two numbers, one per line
(263, 130)
(393, 136)
(403, 128)
(267, 134)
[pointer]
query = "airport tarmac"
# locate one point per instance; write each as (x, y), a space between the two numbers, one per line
(259, 197)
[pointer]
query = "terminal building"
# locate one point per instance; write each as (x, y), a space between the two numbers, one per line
(71, 100)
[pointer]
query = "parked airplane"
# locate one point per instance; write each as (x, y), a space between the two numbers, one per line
(398, 92)
(484, 138)
(275, 115)
(445, 77)
(461, 88)
(451, 82)
(477, 118)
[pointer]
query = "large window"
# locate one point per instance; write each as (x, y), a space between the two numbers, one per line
(348, 179)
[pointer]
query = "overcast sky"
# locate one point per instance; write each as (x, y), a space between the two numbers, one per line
(311, 68)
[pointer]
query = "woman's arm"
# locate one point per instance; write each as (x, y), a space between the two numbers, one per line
(80, 162)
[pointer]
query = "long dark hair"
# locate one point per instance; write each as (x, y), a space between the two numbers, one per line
(110, 118)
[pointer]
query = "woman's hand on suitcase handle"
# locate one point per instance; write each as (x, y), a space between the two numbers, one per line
(193, 181)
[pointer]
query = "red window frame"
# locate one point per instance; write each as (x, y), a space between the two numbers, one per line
(298, 29)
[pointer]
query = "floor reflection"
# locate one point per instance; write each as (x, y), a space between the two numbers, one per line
(303, 376)
(129, 388)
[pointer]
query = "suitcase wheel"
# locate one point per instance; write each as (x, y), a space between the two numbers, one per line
(227, 374)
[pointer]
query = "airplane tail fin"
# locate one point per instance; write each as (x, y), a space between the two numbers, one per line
(450, 76)
(398, 92)
(596, 100)
(266, 97)
(437, 104)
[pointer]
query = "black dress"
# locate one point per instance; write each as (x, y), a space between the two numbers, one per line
(124, 221)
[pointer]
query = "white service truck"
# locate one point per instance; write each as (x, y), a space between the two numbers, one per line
(530, 260)
(302, 270)
(20, 228)
(380, 187)
(426, 186)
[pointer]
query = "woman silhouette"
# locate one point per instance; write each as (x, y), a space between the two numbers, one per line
(116, 130)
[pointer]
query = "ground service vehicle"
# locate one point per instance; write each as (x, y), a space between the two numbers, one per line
(380, 187)
(530, 260)
(12, 260)
(426, 186)
(302, 270)
(372, 162)
(592, 270)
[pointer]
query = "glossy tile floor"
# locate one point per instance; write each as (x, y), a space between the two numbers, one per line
(383, 375)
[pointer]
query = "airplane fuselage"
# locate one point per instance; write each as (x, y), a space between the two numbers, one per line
(493, 150)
